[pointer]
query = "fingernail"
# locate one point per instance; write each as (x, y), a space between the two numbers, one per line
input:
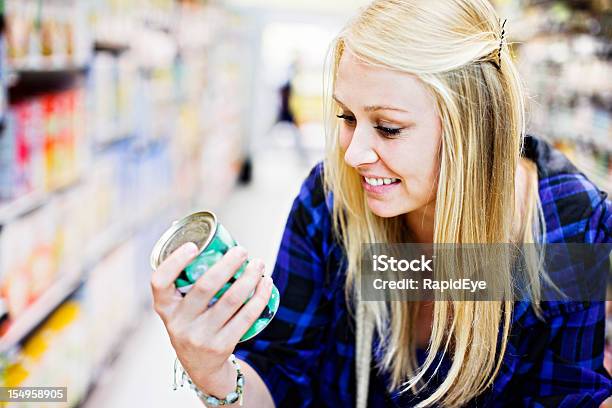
(190, 248)
(268, 281)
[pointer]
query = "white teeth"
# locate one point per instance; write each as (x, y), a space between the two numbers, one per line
(380, 181)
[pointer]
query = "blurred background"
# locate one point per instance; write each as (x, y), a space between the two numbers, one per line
(119, 116)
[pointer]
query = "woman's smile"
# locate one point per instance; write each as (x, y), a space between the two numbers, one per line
(379, 185)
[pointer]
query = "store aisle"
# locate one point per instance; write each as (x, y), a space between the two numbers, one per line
(255, 215)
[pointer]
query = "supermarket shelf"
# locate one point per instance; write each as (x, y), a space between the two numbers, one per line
(115, 48)
(26, 71)
(100, 148)
(20, 206)
(104, 145)
(27, 81)
(105, 243)
(48, 64)
(41, 308)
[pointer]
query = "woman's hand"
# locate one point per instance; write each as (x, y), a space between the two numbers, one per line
(205, 337)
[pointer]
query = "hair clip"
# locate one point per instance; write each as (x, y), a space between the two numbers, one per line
(501, 44)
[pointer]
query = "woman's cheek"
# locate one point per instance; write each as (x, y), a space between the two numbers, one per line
(344, 138)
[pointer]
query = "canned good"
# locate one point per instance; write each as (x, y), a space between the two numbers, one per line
(213, 241)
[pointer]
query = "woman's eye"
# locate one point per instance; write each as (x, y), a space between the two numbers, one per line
(350, 120)
(388, 132)
(383, 130)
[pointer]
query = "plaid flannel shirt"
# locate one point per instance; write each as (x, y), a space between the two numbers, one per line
(306, 357)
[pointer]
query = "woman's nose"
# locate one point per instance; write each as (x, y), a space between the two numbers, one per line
(360, 151)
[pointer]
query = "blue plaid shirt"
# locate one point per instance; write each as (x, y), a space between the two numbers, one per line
(306, 356)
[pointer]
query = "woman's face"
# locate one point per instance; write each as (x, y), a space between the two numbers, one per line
(390, 135)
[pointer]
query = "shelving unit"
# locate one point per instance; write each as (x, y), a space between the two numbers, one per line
(59, 291)
(105, 141)
(563, 52)
(75, 275)
(19, 206)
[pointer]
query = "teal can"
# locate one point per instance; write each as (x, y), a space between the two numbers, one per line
(213, 241)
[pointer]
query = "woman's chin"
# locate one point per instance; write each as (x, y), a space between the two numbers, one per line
(383, 209)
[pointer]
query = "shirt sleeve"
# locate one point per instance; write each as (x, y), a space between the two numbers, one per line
(286, 354)
(569, 371)
(599, 228)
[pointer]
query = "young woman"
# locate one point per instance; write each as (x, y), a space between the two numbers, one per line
(428, 146)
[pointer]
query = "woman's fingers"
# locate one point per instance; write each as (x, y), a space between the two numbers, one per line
(207, 285)
(162, 280)
(236, 295)
(246, 316)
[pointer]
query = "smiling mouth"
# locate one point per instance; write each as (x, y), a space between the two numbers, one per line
(379, 185)
(380, 181)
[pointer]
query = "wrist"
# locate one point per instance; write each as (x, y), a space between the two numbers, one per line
(220, 383)
(214, 400)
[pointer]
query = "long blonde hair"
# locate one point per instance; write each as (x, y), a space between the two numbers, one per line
(452, 46)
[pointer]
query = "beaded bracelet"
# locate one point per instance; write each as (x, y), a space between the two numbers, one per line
(209, 400)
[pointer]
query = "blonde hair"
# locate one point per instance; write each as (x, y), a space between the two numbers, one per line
(452, 46)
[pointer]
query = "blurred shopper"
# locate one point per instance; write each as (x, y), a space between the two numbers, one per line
(429, 147)
(285, 114)
(286, 122)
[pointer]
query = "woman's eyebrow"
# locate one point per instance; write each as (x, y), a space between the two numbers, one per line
(373, 108)
(338, 101)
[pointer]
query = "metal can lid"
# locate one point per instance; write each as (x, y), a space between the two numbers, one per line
(199, 228)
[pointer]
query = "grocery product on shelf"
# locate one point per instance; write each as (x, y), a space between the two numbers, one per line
(104, 144)
(76, 340)
(41, 144)
(111, 90)
(54, 356)
(46, 35)
(223, 144)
